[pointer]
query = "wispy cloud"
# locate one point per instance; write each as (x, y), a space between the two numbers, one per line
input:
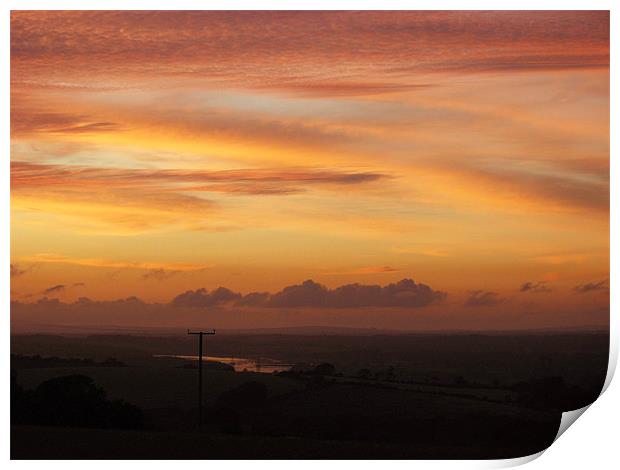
(561, 258)
(601, 286)
(28, 175)
(17, 270)
(55, 289)
(364, 270)
(480, 298)
(60, 288)
(525, 181)
(25, 121)
(115, 264)
(535, 287)
(433, 252)
(118, 43)
(139, 199)
(159, 274)
(334, 89)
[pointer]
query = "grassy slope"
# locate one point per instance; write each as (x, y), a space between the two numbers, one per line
(37, 442)
(155, 387)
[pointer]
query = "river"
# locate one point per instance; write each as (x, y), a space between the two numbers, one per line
(240, 364)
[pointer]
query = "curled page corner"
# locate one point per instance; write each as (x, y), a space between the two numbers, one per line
(568, 418)
(515, 462)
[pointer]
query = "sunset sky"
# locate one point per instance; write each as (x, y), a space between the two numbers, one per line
(155, 153)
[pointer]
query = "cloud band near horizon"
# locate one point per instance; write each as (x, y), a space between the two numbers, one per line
(405, 293)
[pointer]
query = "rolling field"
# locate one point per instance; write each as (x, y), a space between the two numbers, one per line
(321, 417)
(332, 421)
(160, 387)
(435, 359)
(79, 443)
(379, 414)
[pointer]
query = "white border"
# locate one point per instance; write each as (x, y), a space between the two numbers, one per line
(590, 443)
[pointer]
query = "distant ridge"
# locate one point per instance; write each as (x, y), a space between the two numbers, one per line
(310, 330)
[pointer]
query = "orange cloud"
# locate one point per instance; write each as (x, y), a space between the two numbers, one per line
(142, 198)
(118, 264)
(364, 270)
(28, 175)
(480, 298)
(214, 45)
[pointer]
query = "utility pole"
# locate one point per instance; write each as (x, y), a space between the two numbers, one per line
(200, 334)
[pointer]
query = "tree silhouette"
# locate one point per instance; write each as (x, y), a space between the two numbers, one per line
(325, 369)
(72, 400)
